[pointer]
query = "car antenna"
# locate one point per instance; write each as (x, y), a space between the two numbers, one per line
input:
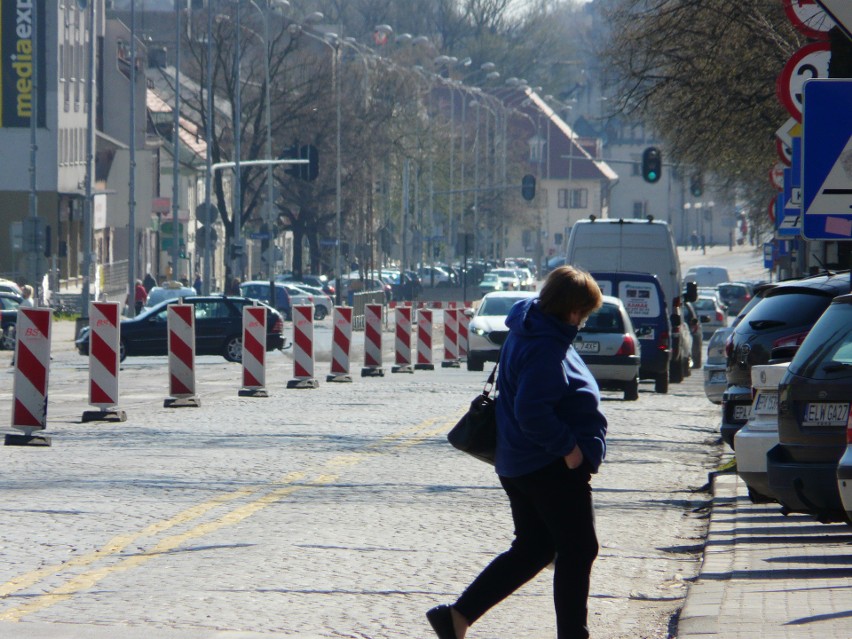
(827, 270)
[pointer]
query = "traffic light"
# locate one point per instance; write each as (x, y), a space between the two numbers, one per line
(236, 251)
(696, 185)
(652, 164)
(307, 172)
(528, 187)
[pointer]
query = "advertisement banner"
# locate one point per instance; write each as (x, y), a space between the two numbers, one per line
(16, 63)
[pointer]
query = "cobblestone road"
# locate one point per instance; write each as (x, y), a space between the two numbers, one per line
(334, 512)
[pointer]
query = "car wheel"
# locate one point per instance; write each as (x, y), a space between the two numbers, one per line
(320, 313)
(661, 383)
(122, 351)
(631, 391)
(676, 371)
(474, 363)
(233, 351)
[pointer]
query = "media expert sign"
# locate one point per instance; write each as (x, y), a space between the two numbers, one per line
(16, 65)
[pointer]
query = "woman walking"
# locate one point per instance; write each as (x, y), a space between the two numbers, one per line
(550, 440)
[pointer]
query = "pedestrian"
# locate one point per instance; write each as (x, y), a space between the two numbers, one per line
(551, 439)
(693, 240)
(139, 296)
(27, 294)
(149, 282)
(197, 285)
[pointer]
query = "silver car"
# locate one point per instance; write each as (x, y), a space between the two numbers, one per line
(711, 313)
(715, 381)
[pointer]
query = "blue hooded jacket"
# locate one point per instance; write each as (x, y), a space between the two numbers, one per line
(548, 401)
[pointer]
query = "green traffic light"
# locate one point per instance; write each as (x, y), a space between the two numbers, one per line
(652, 175)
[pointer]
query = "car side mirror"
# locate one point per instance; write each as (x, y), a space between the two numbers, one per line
(468, 312)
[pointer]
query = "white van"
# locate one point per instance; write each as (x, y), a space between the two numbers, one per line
(644, 246)
(707, 276)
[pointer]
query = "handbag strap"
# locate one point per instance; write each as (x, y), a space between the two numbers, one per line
(489, 384)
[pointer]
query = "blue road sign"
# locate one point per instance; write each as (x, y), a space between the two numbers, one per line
(767, 255)
(787, 211)
(827, 159)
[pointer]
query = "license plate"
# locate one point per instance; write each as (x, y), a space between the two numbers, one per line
(766, 404)
(587, 347)
(718, 377)
(826, 414)
(741, 412)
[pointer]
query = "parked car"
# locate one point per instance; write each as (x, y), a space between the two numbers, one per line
(286, 296)
(432, 276)
(773, 328)
(487, 330)
(813, 415)
(323, 304)
(609, 347)
(218, 329)
(9, 303)
(711, 313)
(168, 291)
(320, 281)
(760, 433)
(715, 365)
(735, 295)
(8, 286)
(706, 276)
(645, 302)
(490, 283)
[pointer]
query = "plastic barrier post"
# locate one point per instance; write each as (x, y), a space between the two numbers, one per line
(402, 341)
(424, 341)
(451, 331)
(372, 341)
(254, 352)
(32, 368)
(104, 341)
(181, 327)
(341, 344)
(464, 323)
(303, 348)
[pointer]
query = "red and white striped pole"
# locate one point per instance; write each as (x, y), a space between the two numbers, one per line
(32, 368)
(104, 342)
(303, 348)
(181, 327)
(402, 341)
(372, 341)
(424, 341)
(254, 352)
(451, 335)
(341, 343)
(464, 324)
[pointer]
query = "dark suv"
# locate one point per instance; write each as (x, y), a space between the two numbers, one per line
(813, 411)
(773, 329)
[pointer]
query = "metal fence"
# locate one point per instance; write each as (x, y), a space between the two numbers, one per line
(359, 300)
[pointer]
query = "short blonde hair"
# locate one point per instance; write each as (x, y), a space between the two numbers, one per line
(26, 290)
(569, 289)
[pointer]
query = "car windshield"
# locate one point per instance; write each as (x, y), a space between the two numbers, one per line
(826, 352)
(800, 308)
(607, 319)
(498, 306)
(704, 304)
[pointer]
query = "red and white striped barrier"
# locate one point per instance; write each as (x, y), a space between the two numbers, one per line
(254, 352)
(424, 341)
(438, 305)
(104, 342)
(402, 341)
(372, 341)
(32, 368)
(341, 343)
(181, 327)
(451, 336)
(303, 348)
(464, 324)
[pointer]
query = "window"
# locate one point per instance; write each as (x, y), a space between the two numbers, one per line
(573, 198)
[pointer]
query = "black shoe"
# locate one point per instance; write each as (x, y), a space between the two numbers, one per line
(441, 618)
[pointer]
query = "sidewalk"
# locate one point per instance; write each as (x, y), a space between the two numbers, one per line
(767, 575)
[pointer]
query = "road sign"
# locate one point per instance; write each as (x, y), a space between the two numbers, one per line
(792, 128)
(841, 12)
(767, 255)
(776, 176)
(788, 208)
(827, 159)
(809, 18)
(809, 62)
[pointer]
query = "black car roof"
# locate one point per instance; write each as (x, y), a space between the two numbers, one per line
(833, 284)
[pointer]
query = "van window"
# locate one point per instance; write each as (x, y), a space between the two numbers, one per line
(641, 299)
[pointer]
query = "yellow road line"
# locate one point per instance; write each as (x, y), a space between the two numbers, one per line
(238, 514)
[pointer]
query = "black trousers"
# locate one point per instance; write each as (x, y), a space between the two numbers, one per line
(553, 514)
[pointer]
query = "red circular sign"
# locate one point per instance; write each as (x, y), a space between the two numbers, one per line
(776, 176)
(809, 18)
(785, 153)
(811, 61)
(772, 209)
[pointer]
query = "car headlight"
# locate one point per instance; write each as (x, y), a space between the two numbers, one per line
(480, 331)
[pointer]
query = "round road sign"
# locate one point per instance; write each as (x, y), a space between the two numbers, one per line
(809, 18)
(776, 176)
(811, 61)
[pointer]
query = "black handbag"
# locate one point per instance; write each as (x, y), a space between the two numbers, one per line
(476, 432)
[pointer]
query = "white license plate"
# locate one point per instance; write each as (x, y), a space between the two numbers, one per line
(766, 404)
(741, 411)
(587, 347)
(718, 377)
(826, 414)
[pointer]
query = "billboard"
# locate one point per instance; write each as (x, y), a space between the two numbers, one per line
(17, 55)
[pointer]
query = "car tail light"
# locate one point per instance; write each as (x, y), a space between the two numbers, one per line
(628, 346)
(849, 427)
(719, 316)
(663, 344)
(790, 340)
(729, 345)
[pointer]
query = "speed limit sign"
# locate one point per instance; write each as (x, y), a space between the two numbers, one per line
(811, 61)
